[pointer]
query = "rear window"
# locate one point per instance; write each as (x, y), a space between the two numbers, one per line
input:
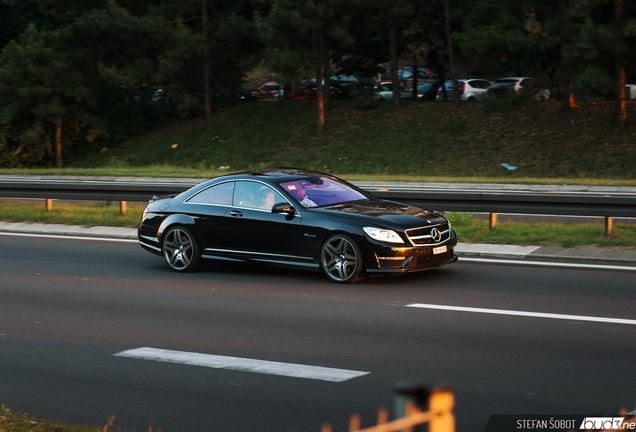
(220, 194)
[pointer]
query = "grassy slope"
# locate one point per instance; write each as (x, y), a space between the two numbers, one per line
(417, 139)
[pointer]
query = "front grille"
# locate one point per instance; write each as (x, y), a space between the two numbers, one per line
(422, 236)
(426, 260)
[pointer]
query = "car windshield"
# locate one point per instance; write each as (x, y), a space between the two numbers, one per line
(424, 87)
(321, 191)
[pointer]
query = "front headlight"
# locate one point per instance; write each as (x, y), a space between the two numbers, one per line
(384, 235)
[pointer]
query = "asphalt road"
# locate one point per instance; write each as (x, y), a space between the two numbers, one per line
(67, 306)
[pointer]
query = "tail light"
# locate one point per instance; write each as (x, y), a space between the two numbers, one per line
(146, 211)
(462, 88)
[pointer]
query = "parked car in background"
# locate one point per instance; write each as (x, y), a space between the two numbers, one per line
(268, 90)
(426, 90)
(249, 95)
(508, 86)
(405, 75)
(469, 89)
(385, 91)
(304, 93)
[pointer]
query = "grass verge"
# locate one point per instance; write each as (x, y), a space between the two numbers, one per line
(472, 230)
(21, 422)
(169, 171)
(468, 228)
(85, 214)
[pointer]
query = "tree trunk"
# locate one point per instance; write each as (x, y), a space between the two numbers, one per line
(327, 74)
(395, 83)
(440, 74)
(320, 100)
(451, 51)
(58, 144)
(567, 95)
(206, 69)
(621, 108)
(414, 92)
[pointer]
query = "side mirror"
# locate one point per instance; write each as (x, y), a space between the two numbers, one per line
(283, 208)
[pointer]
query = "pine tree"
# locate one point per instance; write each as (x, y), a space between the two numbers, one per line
(39, 89)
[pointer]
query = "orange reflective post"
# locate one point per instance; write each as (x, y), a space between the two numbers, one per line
(493, 221)
(441, 406)
(354, 423)
(49, 204)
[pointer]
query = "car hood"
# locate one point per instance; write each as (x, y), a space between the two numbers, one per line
(389, 214)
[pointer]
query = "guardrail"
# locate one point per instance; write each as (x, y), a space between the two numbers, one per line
(493, 199)
(439, 416)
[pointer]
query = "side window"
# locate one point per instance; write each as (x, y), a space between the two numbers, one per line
(220, 194)
(256, 195)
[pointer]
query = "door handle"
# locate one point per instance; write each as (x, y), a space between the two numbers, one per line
(236, 213)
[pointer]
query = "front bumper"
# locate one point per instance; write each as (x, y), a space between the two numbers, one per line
(380, 259)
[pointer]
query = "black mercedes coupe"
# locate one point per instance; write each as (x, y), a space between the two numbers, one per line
(295, 218)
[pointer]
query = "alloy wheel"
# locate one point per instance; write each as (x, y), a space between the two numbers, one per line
(340, 259)
(179, 249)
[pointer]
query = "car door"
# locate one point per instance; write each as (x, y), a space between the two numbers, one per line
(208, 208)
(258, 233)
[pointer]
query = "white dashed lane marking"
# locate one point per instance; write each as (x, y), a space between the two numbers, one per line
(243, 364)
(524, 314)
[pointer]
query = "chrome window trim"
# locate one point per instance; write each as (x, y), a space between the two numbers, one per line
(186, 201)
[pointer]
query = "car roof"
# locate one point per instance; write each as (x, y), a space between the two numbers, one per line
(274, 175)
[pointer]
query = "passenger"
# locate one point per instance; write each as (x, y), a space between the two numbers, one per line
(268, 200)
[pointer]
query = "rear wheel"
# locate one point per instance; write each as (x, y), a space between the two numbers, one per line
(180, 250)
(341, 259)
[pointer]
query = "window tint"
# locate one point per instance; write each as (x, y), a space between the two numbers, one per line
(320, 191)
(256, 195)
(219, 194)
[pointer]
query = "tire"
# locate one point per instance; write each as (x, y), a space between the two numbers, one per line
(341, 259)
(180, 250)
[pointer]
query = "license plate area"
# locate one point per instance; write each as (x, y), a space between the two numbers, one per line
(439, 250)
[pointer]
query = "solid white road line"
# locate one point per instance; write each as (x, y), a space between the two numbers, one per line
(70, 237)
(525, 314)
(242, 364)
(547, 263)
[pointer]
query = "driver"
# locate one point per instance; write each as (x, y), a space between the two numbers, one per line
(300, 194)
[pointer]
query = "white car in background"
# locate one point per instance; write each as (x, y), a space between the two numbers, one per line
(505, 86)
(469, 89)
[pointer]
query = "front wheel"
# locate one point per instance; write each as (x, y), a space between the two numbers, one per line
(180, 250)
(341, 259)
